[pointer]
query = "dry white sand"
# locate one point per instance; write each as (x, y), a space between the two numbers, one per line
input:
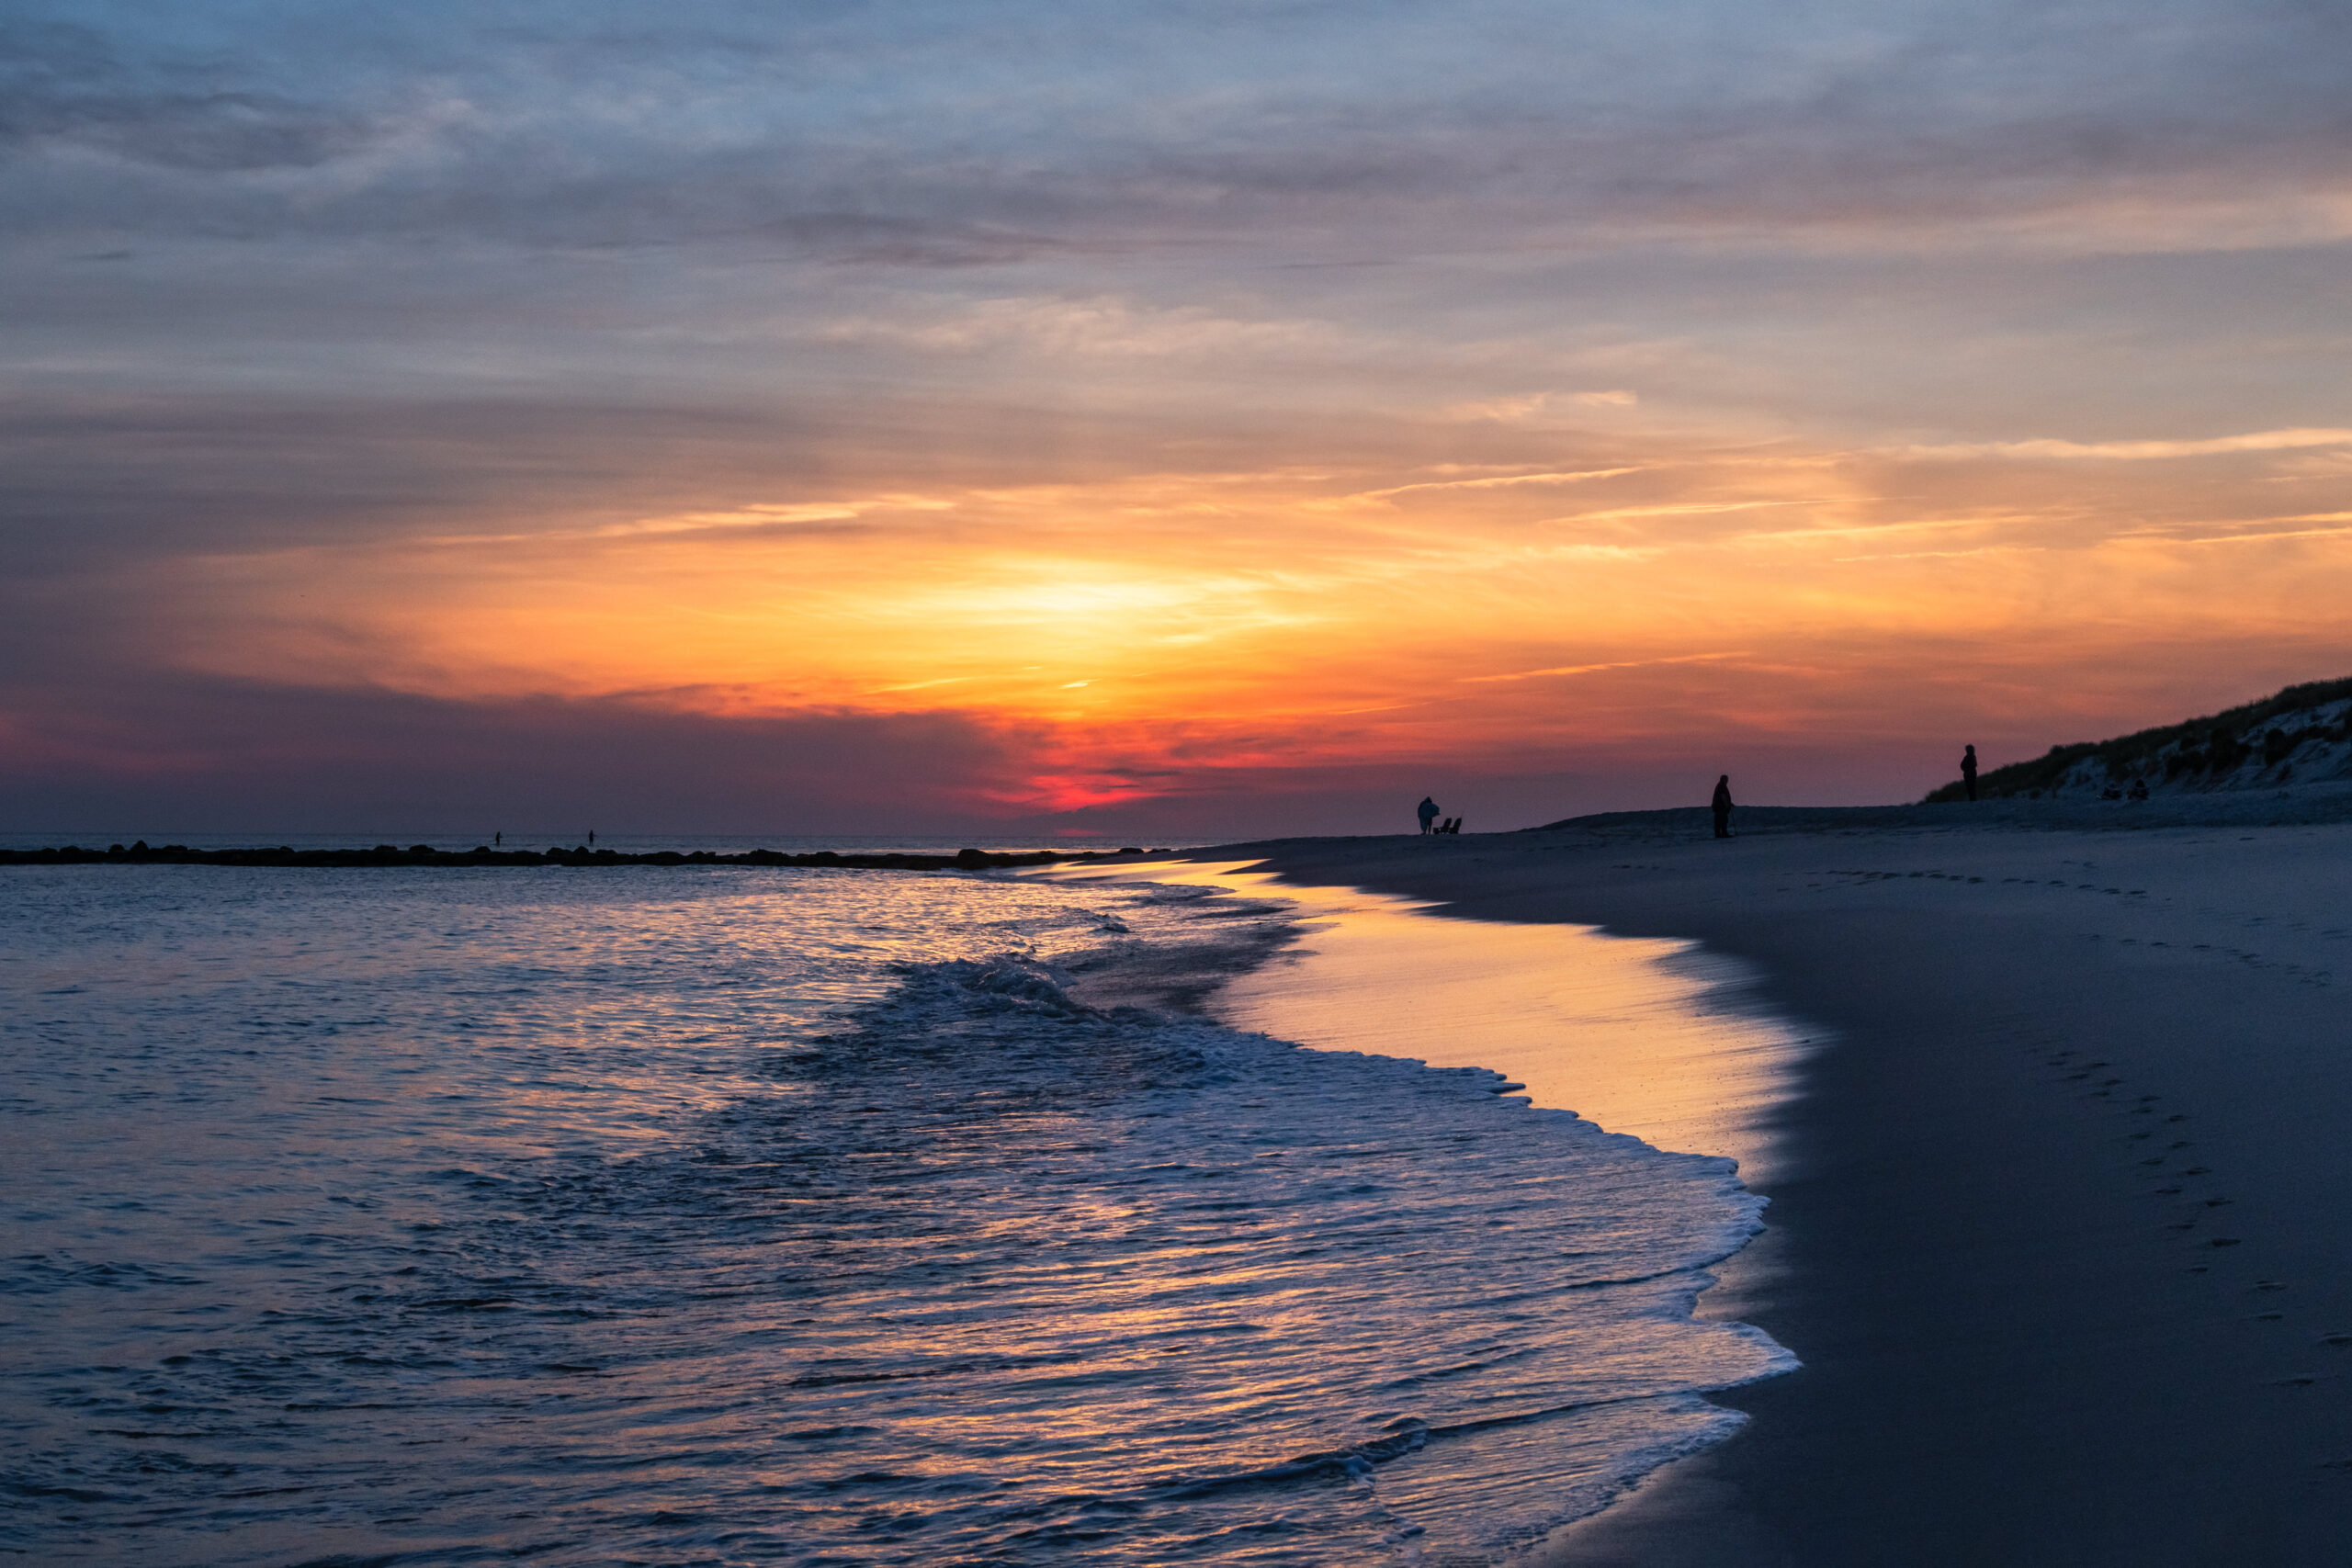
(2062, 1220)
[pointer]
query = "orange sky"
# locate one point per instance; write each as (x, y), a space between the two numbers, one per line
(1162, 622)
(1204, 422)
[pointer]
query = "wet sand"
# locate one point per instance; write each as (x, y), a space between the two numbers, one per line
(2062, 1222)
(1667, 1049)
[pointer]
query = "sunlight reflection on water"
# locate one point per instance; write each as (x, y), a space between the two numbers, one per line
(689, 1216)
(1640, 1035)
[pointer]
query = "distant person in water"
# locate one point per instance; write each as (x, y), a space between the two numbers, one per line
(496, 840)
(1968, 771)
(1722, 806)
(1427, 813)
(591, 837)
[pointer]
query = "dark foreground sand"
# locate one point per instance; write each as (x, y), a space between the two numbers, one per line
(2061, 1226)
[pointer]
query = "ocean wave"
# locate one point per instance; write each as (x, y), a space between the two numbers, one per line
(679, 1225)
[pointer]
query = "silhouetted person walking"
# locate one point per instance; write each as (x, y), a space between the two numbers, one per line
(1722, 806)
(1968, 771)
(1428, 810)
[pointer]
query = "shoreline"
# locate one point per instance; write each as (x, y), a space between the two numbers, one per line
(1674, 1051)
(2021, 1343)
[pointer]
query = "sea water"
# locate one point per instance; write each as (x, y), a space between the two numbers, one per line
(736, 1215)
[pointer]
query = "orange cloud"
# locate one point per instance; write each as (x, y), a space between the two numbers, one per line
(1155, 625)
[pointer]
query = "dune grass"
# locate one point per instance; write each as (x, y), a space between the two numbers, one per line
(2220, 743)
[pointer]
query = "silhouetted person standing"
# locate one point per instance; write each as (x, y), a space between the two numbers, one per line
(1428, 810)
(1722, 806)
(1968, 771)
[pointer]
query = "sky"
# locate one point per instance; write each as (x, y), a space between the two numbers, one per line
(1190, 420)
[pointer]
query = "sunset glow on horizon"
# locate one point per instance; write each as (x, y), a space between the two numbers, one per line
(1594, 404)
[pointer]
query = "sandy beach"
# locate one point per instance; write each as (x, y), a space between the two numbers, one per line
(2062, 1210)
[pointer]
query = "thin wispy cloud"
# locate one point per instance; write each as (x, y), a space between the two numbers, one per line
(1564, 670)
(2139, 451)
(1497, 481)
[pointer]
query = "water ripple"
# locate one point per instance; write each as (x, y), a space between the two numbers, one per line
(785, 1216)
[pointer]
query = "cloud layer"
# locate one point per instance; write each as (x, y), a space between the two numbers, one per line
(1153, 400)
(932, 132)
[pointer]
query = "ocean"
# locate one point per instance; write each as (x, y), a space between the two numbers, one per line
(750, 1216)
